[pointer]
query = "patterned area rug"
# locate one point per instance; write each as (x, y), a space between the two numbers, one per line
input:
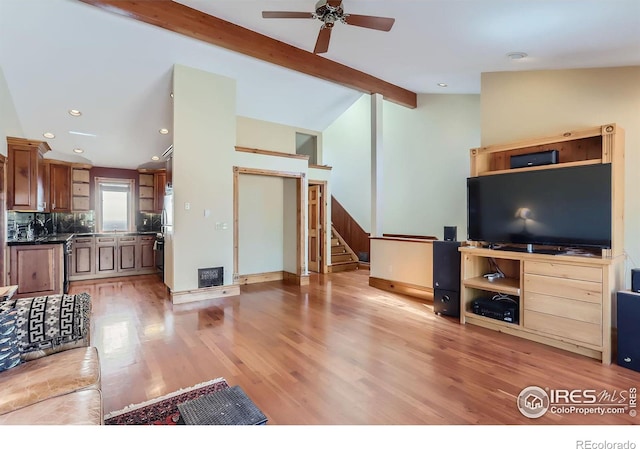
(163, 410)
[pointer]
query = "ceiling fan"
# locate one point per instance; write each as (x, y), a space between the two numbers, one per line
(329, 12)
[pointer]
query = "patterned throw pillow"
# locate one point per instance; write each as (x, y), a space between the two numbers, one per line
(7, 305)
(48, 324)
(9, 351)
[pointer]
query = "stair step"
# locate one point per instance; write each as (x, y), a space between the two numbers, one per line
(344, 266)
(338, 249)
(334, 241)
(346, 257)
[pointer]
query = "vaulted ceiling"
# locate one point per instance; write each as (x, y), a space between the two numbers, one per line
(58, 55)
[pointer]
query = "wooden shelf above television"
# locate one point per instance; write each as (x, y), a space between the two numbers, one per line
(545, 167)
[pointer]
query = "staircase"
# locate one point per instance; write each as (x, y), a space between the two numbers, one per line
(342, 257)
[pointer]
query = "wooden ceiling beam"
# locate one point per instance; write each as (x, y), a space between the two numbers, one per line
(190, 22)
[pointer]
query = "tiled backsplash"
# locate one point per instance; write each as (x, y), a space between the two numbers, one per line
(67, 223)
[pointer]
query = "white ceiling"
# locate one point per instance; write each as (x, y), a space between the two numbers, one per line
(62, 54)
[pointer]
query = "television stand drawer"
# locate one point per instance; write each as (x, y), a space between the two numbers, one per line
(563, 270)
(564, 288)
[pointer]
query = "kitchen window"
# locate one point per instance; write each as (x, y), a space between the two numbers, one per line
(114, 204)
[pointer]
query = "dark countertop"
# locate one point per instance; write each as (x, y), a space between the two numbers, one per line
(44, 240)
(62, 238)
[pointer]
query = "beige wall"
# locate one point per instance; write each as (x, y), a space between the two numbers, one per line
(402, 261)
(520, 105)
(260, 224)
(252, 133)
(204, 137)
(9, 123)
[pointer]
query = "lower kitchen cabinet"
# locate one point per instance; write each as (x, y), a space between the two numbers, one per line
(82, 256)
(105, 255)
(37, 270)
(147, 259)
(127, 249)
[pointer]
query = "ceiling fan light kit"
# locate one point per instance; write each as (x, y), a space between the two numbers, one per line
(329, 12)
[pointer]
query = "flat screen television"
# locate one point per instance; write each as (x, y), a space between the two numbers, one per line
(567, 207)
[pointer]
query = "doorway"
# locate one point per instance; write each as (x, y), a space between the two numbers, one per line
(316, 227)
(296, 270)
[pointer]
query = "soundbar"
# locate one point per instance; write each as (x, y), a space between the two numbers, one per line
(534, 159)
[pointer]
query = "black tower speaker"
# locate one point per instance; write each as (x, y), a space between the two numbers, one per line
(451, 233)
(628, 330)
(635, 280)
(446, 278)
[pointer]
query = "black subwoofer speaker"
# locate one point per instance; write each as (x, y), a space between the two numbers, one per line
(446, 278)
(446, 302)
(628, 330)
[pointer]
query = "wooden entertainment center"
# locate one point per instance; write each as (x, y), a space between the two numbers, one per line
(565, 300)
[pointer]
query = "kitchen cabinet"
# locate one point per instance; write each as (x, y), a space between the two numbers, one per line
(146, 254)
(25, 174)
(80, 188)
(151, 190)
(37, 270)
(106, 255)
(127, 253)
(83, 256)
(160, 183)
(57, 186)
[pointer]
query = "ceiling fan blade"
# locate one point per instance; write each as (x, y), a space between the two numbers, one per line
(373, 22)
(286, 15)
(334, 3)
(322, 44)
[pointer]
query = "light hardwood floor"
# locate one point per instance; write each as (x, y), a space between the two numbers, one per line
(334, 352)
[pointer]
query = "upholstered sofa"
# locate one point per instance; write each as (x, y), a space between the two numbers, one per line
(55, 379)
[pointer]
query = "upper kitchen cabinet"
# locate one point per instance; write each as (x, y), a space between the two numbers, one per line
(25, 174)
(151, 190)
(80, 176)
(57, 186)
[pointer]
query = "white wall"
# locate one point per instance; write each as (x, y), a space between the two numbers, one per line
(9, 123)
(347, 149)
(521, 105)
(260, 224)
(426, 162)
(204, 131)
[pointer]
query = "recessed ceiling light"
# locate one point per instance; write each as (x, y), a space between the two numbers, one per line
(49, 135)
(78, 150)
(75, 112)
(442, 84)
(516, 55)
(163, 131)
(155, 158)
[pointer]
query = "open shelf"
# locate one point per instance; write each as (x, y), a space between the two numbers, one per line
(543, 167)
(508, 286)
(471, 317)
